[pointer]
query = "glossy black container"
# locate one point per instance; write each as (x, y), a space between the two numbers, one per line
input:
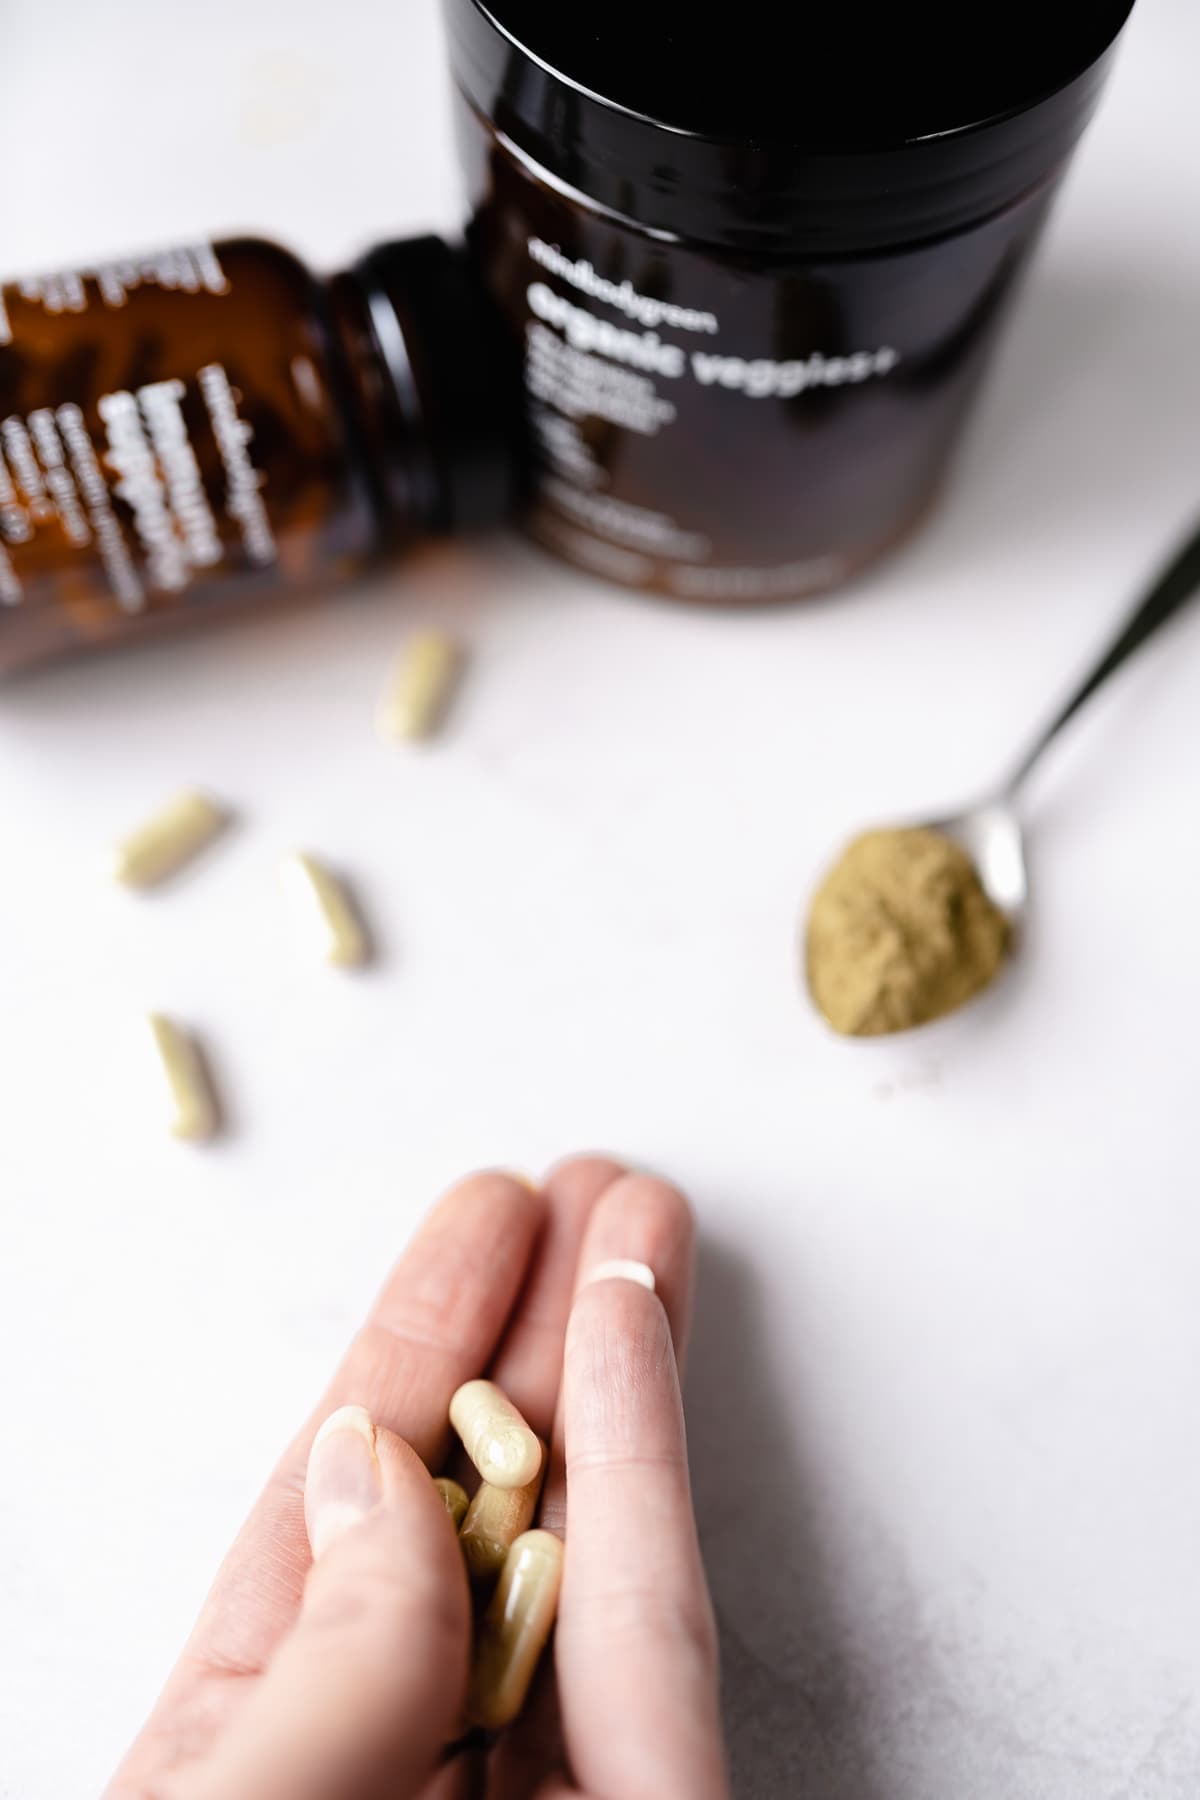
(754, 262)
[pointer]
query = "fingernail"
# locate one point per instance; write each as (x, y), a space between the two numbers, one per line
(343, 1483)
(620, 1268)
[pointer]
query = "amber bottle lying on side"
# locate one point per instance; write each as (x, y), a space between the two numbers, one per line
(210, 428)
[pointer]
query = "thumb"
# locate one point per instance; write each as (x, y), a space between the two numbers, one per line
(369, 1686)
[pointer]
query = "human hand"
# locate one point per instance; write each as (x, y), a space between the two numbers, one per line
(344, 1679)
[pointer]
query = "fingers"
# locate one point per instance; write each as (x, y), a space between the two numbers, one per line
(528, 1365)
(368, 1687)
(442, 1318)
(645, 1220)
(532, 1748)
(439, 1317)
(463, 1778)
(636, 1218)
(636, 1641)
(436, 1323)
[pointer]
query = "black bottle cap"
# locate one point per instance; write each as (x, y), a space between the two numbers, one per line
(832, 128)
(456, 455)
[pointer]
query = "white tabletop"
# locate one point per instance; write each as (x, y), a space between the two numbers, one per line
(943, 1402)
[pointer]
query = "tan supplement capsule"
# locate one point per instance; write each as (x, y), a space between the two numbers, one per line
(325, 911)
(176, 834)
(514, 1630)
(192, 1111)
(454, 1497)
(419, 690)
(495, 1519)
(496, 1438)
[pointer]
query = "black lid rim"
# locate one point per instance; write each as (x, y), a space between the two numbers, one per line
(764, 194)
(1036, 97)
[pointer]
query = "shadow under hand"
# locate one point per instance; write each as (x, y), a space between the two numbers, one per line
(795, 1708)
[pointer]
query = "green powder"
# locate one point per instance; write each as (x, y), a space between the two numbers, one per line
(900, 933)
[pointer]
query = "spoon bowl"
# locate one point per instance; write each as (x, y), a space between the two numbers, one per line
(902, 946)
(992, 837)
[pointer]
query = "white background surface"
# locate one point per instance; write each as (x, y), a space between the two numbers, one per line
(944, 1398)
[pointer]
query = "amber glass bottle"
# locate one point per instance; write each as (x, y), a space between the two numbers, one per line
(210, 428)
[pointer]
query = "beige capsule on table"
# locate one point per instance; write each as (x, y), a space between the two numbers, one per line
(168, 840)
(504, 1449)
(192, 1112)
(514, 1630)
(454, 1498)
(325, 911)
(420, 688)
(495, 1519)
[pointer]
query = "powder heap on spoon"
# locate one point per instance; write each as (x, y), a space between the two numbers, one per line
(914, 922)
(900, 933)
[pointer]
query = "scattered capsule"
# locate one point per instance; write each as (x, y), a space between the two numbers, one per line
(495, 1519)
(454, 1497)
(514, 1631)
(164, 843)
(497, 1439)
(420, 687)
(325, 911)
(192, 1111)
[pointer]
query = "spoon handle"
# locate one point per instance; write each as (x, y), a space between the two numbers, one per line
(1170, 593)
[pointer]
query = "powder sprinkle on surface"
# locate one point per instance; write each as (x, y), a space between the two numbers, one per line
(901, 933)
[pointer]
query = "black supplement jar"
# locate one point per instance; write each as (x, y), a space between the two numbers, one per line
(754, 260)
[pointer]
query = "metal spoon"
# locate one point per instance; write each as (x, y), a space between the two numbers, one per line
(874, 965)
(991, 832)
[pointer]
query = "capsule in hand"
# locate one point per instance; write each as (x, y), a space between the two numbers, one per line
(515, 1629)
(496, 1438)
(495, 1519)
(454, 1498)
